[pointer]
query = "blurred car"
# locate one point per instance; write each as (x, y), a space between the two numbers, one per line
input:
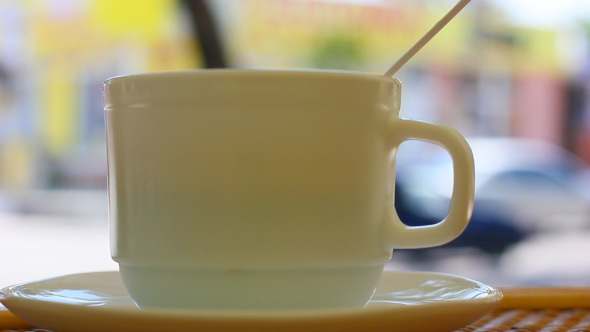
(490, 230)
(539, 186)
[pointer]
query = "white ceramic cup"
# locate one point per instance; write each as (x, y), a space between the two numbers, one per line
(248, 189)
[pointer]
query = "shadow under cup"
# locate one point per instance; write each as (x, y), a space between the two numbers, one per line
(244, 189)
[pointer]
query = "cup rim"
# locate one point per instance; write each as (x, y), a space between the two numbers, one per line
(248, 72)
(136, 90)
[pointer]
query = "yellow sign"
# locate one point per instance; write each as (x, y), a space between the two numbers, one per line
(145, 20)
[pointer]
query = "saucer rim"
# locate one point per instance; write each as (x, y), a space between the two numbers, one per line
(442, 315)
(492, 298)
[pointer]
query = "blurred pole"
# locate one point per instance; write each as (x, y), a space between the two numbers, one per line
(205, 33)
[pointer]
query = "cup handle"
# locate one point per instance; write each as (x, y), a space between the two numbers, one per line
(406, 237)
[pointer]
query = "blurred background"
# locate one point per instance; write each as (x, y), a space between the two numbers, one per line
(511, 75)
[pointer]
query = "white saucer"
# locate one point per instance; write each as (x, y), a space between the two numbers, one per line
(403, 302)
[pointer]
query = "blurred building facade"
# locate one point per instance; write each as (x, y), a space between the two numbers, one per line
(54, 56)
(483, 74)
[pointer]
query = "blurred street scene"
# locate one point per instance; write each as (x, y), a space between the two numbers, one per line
(511, 75)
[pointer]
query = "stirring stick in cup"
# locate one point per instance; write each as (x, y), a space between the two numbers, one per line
(426, 38)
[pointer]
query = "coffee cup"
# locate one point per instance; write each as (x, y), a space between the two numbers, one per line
(263, 189)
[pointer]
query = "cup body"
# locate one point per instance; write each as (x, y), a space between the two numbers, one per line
(246, 189)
